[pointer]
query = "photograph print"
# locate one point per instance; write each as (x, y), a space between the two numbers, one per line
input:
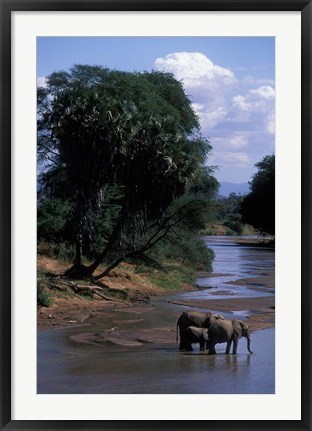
(156, 215)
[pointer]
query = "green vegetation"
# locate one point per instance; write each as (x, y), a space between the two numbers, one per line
(227, 218)
(172, 280)
(124, 178)
(228, 213)
(123, 171)
(249, 214)
(258, 207)
(44, 297)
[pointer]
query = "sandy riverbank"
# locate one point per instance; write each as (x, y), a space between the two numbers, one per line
(79, 310)
(70, 309)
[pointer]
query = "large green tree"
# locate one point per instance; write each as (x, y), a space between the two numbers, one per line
(258, 207)
(137, 133)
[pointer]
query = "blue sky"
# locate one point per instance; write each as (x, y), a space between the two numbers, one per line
(230, 81)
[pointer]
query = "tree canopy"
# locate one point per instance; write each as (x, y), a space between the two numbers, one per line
(120, 150)
(258, 207)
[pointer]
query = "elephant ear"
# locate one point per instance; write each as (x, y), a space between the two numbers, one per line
(240, 328)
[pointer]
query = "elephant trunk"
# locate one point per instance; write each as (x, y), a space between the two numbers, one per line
(248, 343)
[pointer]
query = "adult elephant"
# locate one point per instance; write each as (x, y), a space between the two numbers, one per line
(192, 335)
(198, 319)
(227, 331)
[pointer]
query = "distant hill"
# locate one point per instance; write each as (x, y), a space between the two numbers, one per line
(227, 188)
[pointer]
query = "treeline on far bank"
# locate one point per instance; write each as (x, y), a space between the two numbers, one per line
(250, 214)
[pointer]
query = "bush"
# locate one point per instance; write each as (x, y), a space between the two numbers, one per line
(187, 249)
(52, 219)
(62, 250)
(44, 298)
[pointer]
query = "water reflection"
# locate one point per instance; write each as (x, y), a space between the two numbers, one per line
(155, 369)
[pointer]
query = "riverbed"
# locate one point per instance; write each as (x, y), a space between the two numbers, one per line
(133, 350)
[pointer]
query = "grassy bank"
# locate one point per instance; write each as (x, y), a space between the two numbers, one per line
(216, 229)
(127, 277)
(66, 302)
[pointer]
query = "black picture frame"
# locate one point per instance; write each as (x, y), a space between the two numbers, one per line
(7, 7)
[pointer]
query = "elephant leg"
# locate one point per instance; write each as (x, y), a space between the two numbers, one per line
(235, 344)
(228, 346)
(212, 350)
(184, 344)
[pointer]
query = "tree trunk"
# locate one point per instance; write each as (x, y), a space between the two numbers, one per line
(78, 259)
(78, 269)
(110, 268)
(115, 234)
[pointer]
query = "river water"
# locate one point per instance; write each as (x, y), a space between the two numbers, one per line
(156, 366)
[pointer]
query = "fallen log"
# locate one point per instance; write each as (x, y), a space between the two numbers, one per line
(79, 288)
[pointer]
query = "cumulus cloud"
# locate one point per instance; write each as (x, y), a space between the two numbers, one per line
(256, 109)
(207, 84)
(234, 114)
(256, 100)
(195, 69)
(210, 117)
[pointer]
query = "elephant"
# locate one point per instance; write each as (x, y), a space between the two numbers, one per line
(227, 331)
(193, 334)
(194, 318)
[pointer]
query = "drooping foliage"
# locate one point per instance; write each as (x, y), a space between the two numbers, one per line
(258, 207)
(120, 148)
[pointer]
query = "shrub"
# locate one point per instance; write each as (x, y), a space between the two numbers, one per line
(44, 298)
(187, 249)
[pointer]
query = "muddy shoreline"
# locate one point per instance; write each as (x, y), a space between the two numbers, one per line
(130, 346)
(81, 311)
(78, 312)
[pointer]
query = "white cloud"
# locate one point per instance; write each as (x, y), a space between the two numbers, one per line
(256, 100)
(256, 108)
(266, 82)
(271, 124)
(231, 158)
(266, 92)
(234, 141)
(235, 114)
(207, 84)
(210, 118)
(42, 82)
(195, 69)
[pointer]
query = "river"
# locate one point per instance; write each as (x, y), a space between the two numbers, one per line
(152, 363)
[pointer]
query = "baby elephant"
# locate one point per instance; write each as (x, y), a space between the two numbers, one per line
(192, 335)
(195, 318)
